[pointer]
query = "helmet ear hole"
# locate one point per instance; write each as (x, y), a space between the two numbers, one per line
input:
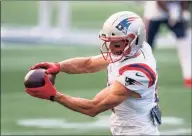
(103, 35)
(137, 40)
(113, 34)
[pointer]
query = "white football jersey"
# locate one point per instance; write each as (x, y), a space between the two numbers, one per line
(137, 74)
(153, 12)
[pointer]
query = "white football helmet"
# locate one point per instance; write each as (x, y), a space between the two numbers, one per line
(126, 27)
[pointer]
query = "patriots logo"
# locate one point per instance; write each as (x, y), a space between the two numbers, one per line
(130, 81)
(123, 25)
(120, 27)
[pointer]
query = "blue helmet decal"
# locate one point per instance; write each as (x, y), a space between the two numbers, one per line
(124, 24)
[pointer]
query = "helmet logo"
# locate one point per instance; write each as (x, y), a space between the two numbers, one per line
(124, 24)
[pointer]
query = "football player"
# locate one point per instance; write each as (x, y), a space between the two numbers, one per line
(176, 15)
(132, 78)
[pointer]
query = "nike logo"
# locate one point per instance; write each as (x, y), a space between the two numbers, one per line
(137, 74)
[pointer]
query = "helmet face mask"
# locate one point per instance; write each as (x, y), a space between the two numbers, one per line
(114, 48)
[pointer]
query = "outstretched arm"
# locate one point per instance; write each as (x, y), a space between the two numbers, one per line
(104, 100)
(83, 65)
(76, 65)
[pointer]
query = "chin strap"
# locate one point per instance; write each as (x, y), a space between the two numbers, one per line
(129, 57)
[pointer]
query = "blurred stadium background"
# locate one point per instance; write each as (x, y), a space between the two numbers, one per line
(30, 35)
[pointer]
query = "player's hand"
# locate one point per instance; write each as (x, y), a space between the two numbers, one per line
(186, 15)
(48, 91)
(174, 17)
(172, 22)
(51, 68)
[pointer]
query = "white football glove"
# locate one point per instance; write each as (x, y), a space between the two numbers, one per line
(186, 15)
(174, 14)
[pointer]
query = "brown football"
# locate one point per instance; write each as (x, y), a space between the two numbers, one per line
(35, 78)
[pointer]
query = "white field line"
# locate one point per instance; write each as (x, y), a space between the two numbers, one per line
(100, 123)
(167, 132)
(180, 131)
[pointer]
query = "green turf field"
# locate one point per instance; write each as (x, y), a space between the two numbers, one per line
(26, 12)
(84, 14)
(22, 114)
